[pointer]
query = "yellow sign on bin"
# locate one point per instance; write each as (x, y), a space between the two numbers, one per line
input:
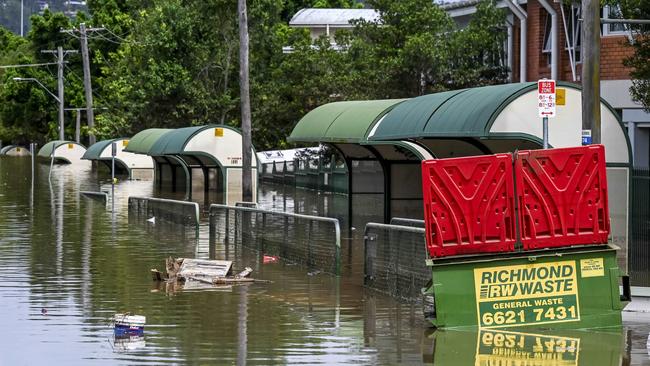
(218, 132)
(70, 146)
(529, 294)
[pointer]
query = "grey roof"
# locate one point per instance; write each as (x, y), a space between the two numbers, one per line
(455, 4)
(332, 17)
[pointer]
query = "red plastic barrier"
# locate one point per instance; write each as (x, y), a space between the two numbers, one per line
(469, 205)
(562, 196)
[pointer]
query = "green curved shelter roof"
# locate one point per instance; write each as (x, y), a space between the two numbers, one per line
(174, 142)
(6, 148)
(46, 150)
(142, 142)
(346, 122)
(460, 113)
(94, 152)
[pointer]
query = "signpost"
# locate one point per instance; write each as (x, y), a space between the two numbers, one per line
(546, 105)
(113, 153)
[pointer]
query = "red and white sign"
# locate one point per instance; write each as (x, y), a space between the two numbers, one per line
(546, 98)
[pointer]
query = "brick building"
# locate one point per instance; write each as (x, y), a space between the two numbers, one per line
(538, 52)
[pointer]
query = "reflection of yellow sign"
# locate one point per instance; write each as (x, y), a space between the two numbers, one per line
(511, 296)
(125, 142)
(513, 348)
(560, 96)
(218, 132)
(70, 146)
(592, 267)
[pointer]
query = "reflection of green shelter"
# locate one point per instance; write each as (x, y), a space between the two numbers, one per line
(64, 152)
(14, 150)
(467, 122)
(136, 166)
(211, 154)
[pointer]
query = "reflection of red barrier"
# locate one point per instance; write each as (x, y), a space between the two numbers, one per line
(468, 205)
(562, 196)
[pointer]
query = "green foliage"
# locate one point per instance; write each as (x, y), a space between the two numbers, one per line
(639, 9)
(174, 63)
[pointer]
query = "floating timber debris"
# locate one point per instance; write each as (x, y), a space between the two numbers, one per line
(212, 272)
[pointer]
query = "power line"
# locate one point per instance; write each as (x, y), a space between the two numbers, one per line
(26, 65)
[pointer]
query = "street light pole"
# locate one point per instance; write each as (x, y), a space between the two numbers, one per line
(22, 25)
(60, 54)
(59, 99)
(59, 51)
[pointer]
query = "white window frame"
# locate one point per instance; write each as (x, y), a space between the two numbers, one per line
(606, 28)
(575, 36)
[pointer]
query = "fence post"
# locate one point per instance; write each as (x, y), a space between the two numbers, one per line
(309, 254)
(286, 236)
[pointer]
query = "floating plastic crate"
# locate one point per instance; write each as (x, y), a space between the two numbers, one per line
(562, 196)
(469, 205)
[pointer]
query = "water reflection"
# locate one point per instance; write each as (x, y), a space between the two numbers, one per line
(501, 347)
(67, 255)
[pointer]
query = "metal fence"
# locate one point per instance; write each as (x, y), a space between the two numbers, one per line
(177, 212)
(312, 241)
(639, 254)
(395, 260)
(97, 196)
(402, 221)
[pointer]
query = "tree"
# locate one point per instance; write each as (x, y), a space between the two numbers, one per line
(640, 90)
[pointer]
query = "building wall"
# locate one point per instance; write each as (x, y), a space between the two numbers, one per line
(614, 49)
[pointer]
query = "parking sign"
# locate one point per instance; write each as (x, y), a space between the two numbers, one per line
(546, 98)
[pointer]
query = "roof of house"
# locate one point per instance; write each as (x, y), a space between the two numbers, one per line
(332, 17)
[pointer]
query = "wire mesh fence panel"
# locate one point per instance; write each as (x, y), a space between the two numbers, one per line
(395, 260)
(158, 209)
(311, 241)
(640, 229)
(402, 221)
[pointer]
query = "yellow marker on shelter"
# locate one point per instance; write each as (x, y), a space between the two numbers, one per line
(560, 96)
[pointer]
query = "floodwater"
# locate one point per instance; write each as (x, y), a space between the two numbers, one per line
(68, 264)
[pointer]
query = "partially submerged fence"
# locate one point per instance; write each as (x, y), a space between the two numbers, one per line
(97, 196)
(178, 212)
(402, 221)
(312, 241)
(395, 260)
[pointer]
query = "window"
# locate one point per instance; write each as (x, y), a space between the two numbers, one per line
(612, 29)
(573, 29)
(547, 44)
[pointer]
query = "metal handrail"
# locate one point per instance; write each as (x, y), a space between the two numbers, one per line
(337, 226)
(177, 202)
(396, 220)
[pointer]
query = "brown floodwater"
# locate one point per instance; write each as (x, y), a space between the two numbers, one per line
(67, 264)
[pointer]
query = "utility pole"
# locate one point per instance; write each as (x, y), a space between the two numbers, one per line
(591, 71)
(22, 24)
(60, 54)
(244, 91)
(88, 89)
